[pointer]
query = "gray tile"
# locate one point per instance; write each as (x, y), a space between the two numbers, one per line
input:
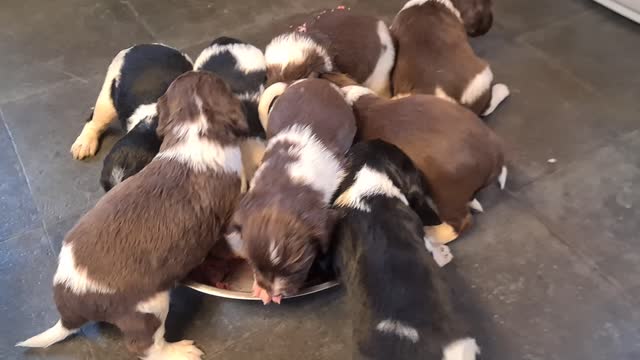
(44, 127)
(77, 36)
(606, 57)
(549, 115)
(594, 206)
(232, 329)
(21, 78)
(529, 296)
(523, 15)
(17, 208)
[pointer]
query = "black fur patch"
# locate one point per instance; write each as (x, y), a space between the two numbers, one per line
(388, 273)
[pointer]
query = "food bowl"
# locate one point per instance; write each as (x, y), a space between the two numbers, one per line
(240, 281)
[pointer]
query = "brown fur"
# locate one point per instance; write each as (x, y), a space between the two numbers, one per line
(351, 41)
(433, 51)
(291, 215)
(456, 151)
(149, 232)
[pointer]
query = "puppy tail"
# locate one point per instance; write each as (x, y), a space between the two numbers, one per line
(49, 337)
(502, 178)
(462, 349)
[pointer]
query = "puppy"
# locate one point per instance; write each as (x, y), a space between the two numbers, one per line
(284, 219)
(434, 57)
(458, 154)
(131, 153)
(243, 67)
(135, 80)
(334, 40)
(118, 263)
(399, 302)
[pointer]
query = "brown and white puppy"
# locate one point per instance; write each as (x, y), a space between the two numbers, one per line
(118, 263)
(458, 154)
(434, 57)
(284, 220)
(334, 40)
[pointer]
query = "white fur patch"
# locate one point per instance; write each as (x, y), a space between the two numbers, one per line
(475, 205)
(502, 178)
(440, 93)
(157, 305)
(114, 71)
(49, 337)
(480, 84)
(143, 112)
(248, 57)
(368, 182)
(316, 166)
(293, 48)
(499, 92)
(398, 328)
(353, 92)
(116, 175)
(75, 278)
(380, 79)
(202, 154)
(274, 253)
(251, 96)
(447, 3)
(279, 284)
(462, 349)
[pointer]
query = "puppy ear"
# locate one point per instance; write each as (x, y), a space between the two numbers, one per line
(163, 116)
(324, 239)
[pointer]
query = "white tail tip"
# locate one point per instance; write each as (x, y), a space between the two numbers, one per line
(499, 92)
(462, 349)
(475, 205)
(502, 179)
(49, 337)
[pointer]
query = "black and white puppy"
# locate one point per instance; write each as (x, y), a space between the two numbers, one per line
(243, 67)
(136, 78)
(400, 304)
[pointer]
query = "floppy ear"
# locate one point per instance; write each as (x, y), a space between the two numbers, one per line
(267, 99)
(163, 116)
(324, 239)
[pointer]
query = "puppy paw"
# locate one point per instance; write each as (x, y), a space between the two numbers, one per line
(85, 145)
(441, 234)
(181, 350)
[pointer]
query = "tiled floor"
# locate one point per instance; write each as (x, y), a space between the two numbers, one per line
(549, 272)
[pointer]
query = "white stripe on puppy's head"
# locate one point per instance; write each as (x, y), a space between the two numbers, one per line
(248, 57)
(449, 5)
(294, 48)
(368, 182)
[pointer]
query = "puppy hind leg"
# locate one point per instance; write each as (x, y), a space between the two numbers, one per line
(499, 92)
(144, 330)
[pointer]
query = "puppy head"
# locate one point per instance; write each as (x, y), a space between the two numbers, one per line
(476, 15)
(281, 247)
(200, 102)
(295, 56)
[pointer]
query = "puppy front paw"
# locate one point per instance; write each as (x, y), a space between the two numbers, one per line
(85, 145)
(181, 350)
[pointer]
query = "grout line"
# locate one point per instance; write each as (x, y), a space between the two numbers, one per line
(38, 92)
(140, 20)
(576, 252)
(26, 178)
(553, 23)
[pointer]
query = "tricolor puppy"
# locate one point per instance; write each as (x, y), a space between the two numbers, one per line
(434, 57)
(243, 67)
(458, 154)
(398, 300)
(334, 40)
(118, 263)
(284, 220)
(136, 78)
